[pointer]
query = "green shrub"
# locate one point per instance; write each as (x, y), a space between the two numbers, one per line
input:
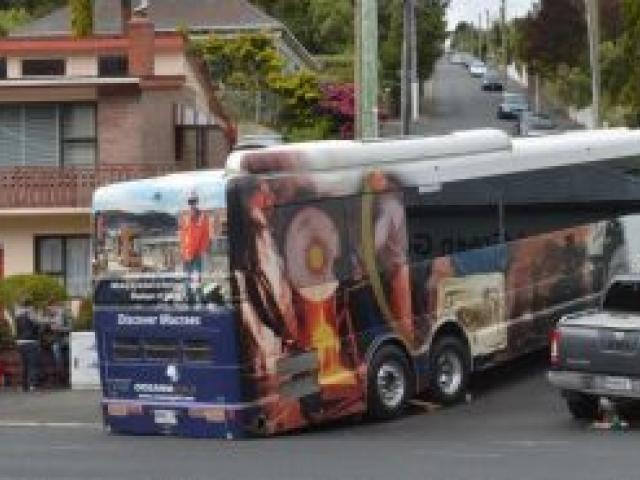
(36, 291)
(7, 340)
(84, 321)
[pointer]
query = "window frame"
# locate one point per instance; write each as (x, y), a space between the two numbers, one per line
(202, 150)
(37, 257)
(60, 60)
(92, 141)
(60, 108)
(122, 60)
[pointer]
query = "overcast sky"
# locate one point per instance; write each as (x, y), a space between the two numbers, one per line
(469, 9)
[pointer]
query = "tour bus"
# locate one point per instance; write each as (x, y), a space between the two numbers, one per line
(305, 283)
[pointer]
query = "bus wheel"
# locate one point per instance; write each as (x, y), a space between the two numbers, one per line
(389, 384)
(450, 370)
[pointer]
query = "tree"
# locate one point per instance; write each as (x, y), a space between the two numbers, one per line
(630, 93)
(35, 8)
(247, 62)
(252, 64)
(12, 18)
(81, 17)
(323, 26)
(431, 33)
(556, 36)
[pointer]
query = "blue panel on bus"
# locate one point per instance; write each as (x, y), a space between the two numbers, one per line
(170, 360)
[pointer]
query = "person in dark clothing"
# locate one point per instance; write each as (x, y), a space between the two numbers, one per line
(28, 345)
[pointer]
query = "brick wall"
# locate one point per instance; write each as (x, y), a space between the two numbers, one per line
(120, 130)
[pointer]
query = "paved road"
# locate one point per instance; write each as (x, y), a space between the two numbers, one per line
(458, 103)
(515, 428)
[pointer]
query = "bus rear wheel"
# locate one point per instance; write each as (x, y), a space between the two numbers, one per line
(389, 383)
(450, 370)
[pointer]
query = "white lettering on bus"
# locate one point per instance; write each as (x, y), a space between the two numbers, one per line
(166, 319)
(153, 388)
(124, 319)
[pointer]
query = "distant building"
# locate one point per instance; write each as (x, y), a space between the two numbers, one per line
(79, 113)
(198, 17)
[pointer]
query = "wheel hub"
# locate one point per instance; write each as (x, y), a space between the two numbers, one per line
(391, 384)
(449, 373)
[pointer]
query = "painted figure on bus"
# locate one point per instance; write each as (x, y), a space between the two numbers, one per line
(196, 231)
(384, 251)
(295, 309)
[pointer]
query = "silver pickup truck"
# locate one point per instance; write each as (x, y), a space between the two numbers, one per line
(596, 354)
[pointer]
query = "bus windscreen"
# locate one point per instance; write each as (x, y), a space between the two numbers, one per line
(162, 241)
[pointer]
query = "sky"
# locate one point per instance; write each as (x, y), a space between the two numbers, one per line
(469, 9)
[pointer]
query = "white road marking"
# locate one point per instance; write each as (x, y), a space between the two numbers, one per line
(19, 424)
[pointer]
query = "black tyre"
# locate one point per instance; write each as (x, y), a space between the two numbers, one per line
(450, 370)
(390, 383)
(582, 407)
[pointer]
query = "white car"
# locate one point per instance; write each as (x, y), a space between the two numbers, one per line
(478, 69)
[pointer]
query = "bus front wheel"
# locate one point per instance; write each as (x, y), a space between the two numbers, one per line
(390, 384)
(450, 370)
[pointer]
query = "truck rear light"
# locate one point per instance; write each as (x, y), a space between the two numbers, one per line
(554, 343)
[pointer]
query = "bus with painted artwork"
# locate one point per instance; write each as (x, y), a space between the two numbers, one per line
(310, 282)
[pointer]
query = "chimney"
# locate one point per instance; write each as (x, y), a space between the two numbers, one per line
(127, 12)
(141, 33)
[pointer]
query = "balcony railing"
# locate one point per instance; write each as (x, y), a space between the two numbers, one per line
(65, 187)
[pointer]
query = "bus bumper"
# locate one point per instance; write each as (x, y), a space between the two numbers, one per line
(197, 420)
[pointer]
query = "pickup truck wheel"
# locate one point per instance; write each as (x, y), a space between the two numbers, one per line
(450, 370)
(389, 383)
(582, 407)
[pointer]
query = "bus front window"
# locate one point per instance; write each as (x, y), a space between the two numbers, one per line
(165, 245)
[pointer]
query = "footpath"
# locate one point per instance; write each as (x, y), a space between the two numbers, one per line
(50, 408)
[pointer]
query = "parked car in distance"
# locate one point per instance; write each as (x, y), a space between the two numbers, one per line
(492, 82)
(469, 60)
(456, 58)
(512, 105)
(249, 142)
(596, 354)
(535, 124)
(477, 69)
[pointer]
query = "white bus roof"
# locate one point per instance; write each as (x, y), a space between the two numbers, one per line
(458, 156)
(340, 154)
(442, 159)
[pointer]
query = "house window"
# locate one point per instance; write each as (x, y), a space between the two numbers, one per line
(66, 258)
(49, 67)
(113, 66)
(78, 135)
(192, 145)
(47, 134)
(3, 68)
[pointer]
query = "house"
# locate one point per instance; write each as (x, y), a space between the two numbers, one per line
(80, 113)
(198, 17)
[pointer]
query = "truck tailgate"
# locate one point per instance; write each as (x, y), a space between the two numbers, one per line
(603, 342)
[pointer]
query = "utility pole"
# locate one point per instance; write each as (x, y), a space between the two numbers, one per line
(480, 36)
(503, 20)
(593, 22)
(488, 33)
(366, 68)
(409, 69)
